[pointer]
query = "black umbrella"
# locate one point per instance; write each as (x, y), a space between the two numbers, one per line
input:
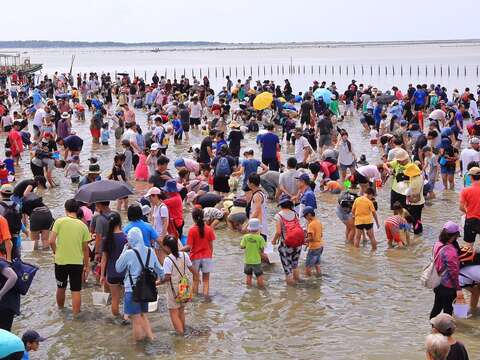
(103, 190)
(386, 99)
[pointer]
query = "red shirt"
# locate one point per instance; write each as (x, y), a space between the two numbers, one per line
(469, 197)
(16, 142)
(200, 247)
(175, 208)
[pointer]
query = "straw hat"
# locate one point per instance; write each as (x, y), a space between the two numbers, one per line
(412, 170)
(234, 124)
(401, 155)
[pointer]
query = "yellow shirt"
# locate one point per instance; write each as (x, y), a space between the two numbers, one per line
(363, 210)
(315, 228)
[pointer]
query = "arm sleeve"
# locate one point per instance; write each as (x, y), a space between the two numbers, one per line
(11, 277)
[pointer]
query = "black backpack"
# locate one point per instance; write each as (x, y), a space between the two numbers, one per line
(13, 217)
(144, 289)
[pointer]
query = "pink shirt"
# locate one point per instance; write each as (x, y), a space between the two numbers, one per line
(191, 165)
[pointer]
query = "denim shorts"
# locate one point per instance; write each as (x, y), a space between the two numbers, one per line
(203, 265)
(313, 257)
(130, 307)
(449, 170)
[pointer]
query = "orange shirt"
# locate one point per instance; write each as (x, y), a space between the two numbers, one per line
(4, 230)
(470, 198)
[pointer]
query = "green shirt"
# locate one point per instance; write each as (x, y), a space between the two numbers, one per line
(71, 234)
(253, 244)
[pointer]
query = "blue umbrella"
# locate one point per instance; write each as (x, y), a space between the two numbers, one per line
(323, 93)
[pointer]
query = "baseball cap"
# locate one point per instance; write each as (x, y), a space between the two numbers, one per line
(146, 210)
(451, 227)
(32, 336)
(248, 151)
(444, 324)
(153, 191)
(284, 198)
(308, 210)
(303, 177)
(6, 189)
(474, 171)
(403, 123)
(179, 163)
(154, 146)
(253, 224)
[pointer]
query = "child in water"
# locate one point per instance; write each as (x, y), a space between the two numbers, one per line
(105, 135)
(141, 171)
(397, 226)
(72, 170)
(253, 243)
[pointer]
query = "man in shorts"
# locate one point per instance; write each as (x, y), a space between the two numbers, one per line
(68, 241)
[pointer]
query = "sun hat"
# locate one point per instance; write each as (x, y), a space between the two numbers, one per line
(153, 191)
(253, 224)
(6, 189)
(308, 210)
(179, 163)
(451, 227)
(474, 171)
(65, 115)
(412, 170)
(474, 141)
(146, 210)
(234, 124)
(444, 324)
(170, 186)
(401, 155)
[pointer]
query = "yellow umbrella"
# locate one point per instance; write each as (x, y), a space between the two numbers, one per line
(263, 101)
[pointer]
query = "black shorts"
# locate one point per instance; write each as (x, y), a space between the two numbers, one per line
(305, 120)
(185, 126)
(178, 136)
(419, 107)
(194, 121)
(69, 273)
(471, 229)
(360, 178)
(115, 280)
(41, 219)
(364, 226)
(221, 184)
(253, 269)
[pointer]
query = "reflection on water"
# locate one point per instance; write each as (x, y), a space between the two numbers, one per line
(365, 306)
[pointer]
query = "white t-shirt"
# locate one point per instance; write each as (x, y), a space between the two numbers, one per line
(370, 172)
(469, 275)
(373, 134)
(467, 156)
(130, 135)
(168, 265)
(300, 145)
(437, 115)
(159, 214)
(195, 110)
(40, 114)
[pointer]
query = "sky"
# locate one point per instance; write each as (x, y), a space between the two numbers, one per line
(239, 20)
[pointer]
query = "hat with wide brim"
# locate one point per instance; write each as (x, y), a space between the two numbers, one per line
(234, 124)
(401, 155)
(412, 170)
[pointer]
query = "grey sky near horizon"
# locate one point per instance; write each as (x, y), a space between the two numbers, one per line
(239, 21)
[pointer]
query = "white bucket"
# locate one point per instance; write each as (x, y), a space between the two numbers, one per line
(461, 310)
(272, 254)
(153, 306)
(28, 246)
(100, 298)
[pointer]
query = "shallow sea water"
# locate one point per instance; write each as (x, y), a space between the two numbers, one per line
(365, 306)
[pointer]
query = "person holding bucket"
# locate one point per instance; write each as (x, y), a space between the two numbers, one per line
(446, 257)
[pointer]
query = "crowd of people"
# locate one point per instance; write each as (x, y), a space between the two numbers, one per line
(421, 139)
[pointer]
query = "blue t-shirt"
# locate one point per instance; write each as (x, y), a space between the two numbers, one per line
(73, 142)
(308, 199)
(269, 143)
(420, 97)
(10, 165)
(150, 235)
(177, 126)
(250, 166)
(9, 343)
